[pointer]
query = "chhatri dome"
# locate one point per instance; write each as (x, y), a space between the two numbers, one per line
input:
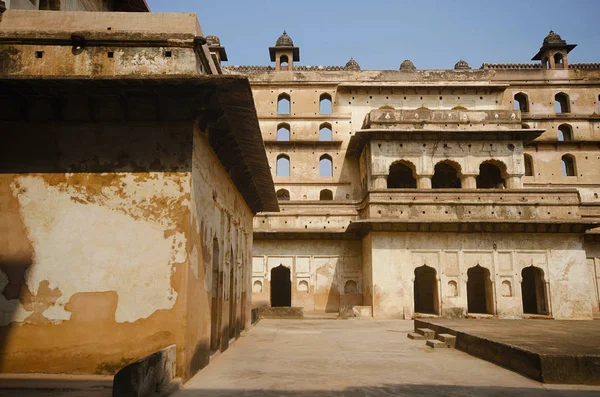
(462, 64)
(352, 65)
(284, 40)
(407, 65)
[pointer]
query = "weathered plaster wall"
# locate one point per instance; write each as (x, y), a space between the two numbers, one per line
(592, 251)
(93, 249)
(561, 257)
(320, 272)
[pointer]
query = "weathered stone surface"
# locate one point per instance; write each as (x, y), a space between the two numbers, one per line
(146, 376)
(281, 312)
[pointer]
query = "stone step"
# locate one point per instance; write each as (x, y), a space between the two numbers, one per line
(415, 336)
(448, 339)
(426, 332)
(436, 344)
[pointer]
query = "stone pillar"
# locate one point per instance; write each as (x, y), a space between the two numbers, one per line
(469, 182)
(424, 182)
(514, 182)
(379, 182)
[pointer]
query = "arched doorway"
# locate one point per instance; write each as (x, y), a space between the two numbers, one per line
(533, 291)
(479, 291)
(426, 290)
(446, 175)
(216, 292)
(281, 287)
(232, 296)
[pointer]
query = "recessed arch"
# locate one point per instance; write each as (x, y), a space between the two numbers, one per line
(284, 62)
(533, 291)
(479, 290)
(569, 166)
(284, 104)
(325, 195)
(528, 160)
(492, 174)
(521, 102)
(283, 132)
(283, 195)
(426, 296)
(559, 62)
(325, 104)
(565, 132)
(283, 165)
(402, 175)
(325, 165)
(257, 287)
(281, 287)
(303, 286)
(446, 175)
(350, 287)
(325, 132)
(561, 103)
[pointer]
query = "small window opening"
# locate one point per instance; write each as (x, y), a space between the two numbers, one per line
(558, 61)
(283, 132)
(561, 103)
(326, 194)
(39, 54)
(325, 104)
(528, 165)
(283, 165)
(565, 132)
(168, 54)
(325, 165)
(283, 195)
(446, 176)
(521, 102)
(568, 165)
(283, 104)
(111, 54)
(284, 62)
(402, 176)
(325, 132)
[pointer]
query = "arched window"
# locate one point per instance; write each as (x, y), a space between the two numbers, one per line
(283, 132)
(565, 132)
(545, 63)
(446, 176)
(283, 165)
(521, 102)
(325, 133)
(283, 104)
(284, 62)
(491, 175)
(528, 165)
(326, 194)
(325, 165)
(561, 103)
(283, 195)
(568, 165)
(325, 104)
(558, 61)
(402, 176)
(525, 126)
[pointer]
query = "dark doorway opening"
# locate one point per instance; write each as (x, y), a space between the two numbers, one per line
(216, 292)
(533, 290)
(401, 177)
(490, 177)
(281, 287)
(479, 290)
(426, 290)
(445, 176)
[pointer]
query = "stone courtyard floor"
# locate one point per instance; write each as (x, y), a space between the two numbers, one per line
(294, 358)
(355, 358)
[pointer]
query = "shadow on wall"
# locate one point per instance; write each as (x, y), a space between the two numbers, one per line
(393, 390)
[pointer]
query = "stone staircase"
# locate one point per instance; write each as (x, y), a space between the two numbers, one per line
(445, 341)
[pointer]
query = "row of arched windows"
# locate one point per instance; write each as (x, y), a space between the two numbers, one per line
(561, 103)
(284, 104)
(568, 165)
(446, 175)
(284, 132)
(324, 195)
(283, 165)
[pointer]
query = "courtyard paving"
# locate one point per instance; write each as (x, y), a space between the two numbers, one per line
(355, 358)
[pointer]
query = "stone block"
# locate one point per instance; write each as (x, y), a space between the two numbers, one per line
(149, 375)
(281, 312)
(415, 336)
(448, 339)
(436, 344)
(426, 332)
(362, 311)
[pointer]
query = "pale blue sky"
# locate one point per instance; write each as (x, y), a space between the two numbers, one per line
(434, 34)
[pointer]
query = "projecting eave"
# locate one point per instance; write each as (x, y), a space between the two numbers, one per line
(538, 56)
(362, 137)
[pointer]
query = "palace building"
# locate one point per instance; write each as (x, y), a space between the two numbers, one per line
(406, 193)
